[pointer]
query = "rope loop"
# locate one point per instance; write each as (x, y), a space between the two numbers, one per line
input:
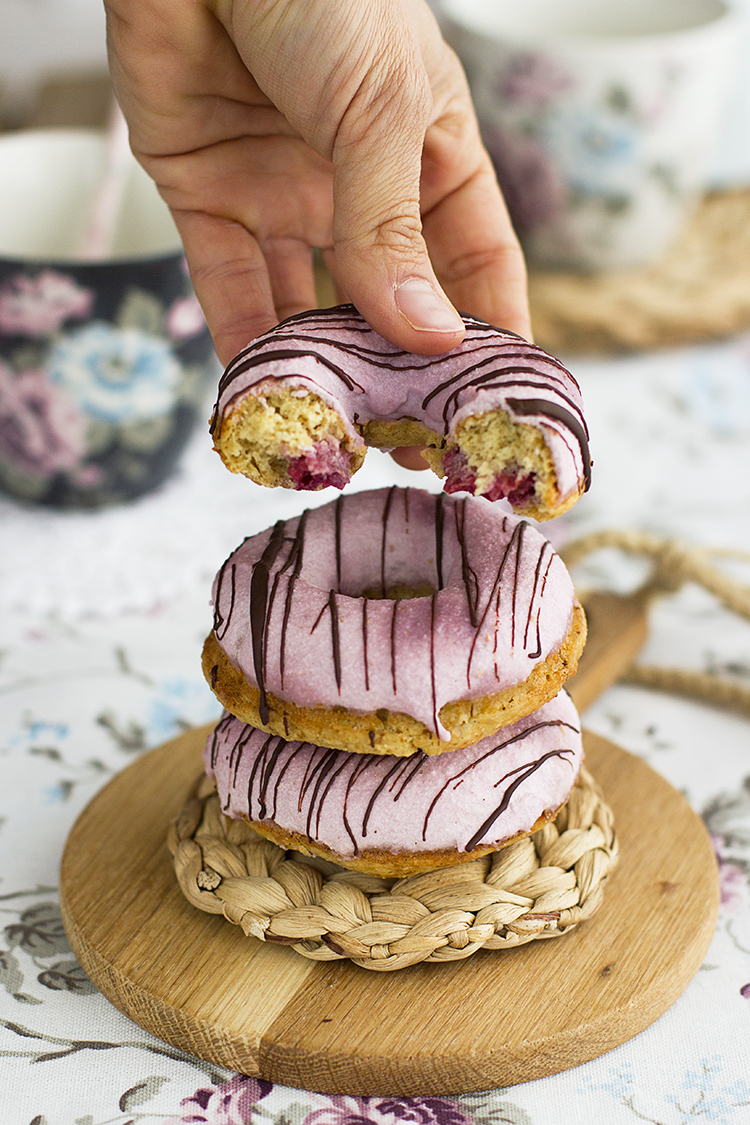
(673, 564)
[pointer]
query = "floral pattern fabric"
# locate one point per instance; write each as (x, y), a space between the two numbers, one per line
(87, 683)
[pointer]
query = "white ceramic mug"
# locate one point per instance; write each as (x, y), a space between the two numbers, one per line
(601, 118)
(730, 166)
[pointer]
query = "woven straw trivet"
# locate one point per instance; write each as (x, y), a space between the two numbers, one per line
(699, 290)
(536, 887)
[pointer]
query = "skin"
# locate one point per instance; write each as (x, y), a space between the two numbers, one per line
(273, 127)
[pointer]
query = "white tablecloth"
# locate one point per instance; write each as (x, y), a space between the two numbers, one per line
(101, 621)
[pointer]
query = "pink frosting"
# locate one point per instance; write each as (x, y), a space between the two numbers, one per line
(335, 354)
(481, 795)
(290, 610)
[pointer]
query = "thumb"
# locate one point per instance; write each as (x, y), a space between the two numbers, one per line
(381, 257)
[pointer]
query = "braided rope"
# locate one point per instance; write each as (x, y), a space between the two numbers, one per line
(674, 564)
(703, 686)
(539, 886)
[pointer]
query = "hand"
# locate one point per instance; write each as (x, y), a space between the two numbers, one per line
(272, 127)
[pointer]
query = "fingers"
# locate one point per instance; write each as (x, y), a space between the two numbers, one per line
(290, 270)
(410, 457)
(407, 145)
(466, 223)
(349, 75)
(230, 278)
(381, 256)
(480, 262)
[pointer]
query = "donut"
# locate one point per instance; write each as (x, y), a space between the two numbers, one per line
(393, 816)
(391, 621)
(497, 415)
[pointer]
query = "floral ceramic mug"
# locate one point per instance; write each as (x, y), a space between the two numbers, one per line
(601, 118)
(105, 366)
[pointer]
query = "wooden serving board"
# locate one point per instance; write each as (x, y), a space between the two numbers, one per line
(197, 982)
(493, 1020)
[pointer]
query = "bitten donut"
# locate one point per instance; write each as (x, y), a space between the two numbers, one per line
(498, 416)
(397, 816)
(392, 621)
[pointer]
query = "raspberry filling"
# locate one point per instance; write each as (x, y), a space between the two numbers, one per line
(323, 465)
(514, 484)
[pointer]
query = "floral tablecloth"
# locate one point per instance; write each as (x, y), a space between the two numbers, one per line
(101, 621)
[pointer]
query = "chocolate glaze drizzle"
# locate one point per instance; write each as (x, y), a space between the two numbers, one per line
(258, 611)
(274, 356)
(553, 410)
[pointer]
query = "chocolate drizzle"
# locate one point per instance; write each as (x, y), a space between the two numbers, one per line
(540, 581)
(514, 543)
(239, 367)
(468, 575)
(311, 785)
(502, 745)
(221, 621)
(504, 369)
(295, 560)
(543, 407)
(338, 342)
(521, 776)
(335, 641)
(258, 611)
(332, 609)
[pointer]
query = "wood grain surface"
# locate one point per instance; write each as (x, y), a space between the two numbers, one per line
(197, 982)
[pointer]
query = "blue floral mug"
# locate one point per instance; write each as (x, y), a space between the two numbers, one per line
(105, 366)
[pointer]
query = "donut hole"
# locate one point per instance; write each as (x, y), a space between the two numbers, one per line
(398, 592)
(386, 545)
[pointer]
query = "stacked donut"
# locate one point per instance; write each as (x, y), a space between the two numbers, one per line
(391, 664)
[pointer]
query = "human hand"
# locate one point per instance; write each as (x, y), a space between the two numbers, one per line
(273, 127)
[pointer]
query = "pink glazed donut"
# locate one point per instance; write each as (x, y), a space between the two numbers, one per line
(498, 417)
(396, 816)
(392, 621)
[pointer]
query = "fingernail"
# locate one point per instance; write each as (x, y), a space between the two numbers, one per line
(418, 303)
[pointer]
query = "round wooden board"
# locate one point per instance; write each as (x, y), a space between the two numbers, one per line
(197, 982)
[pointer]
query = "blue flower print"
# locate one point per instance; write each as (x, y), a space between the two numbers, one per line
(116, 374)
(597, 152)
(180, 704)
